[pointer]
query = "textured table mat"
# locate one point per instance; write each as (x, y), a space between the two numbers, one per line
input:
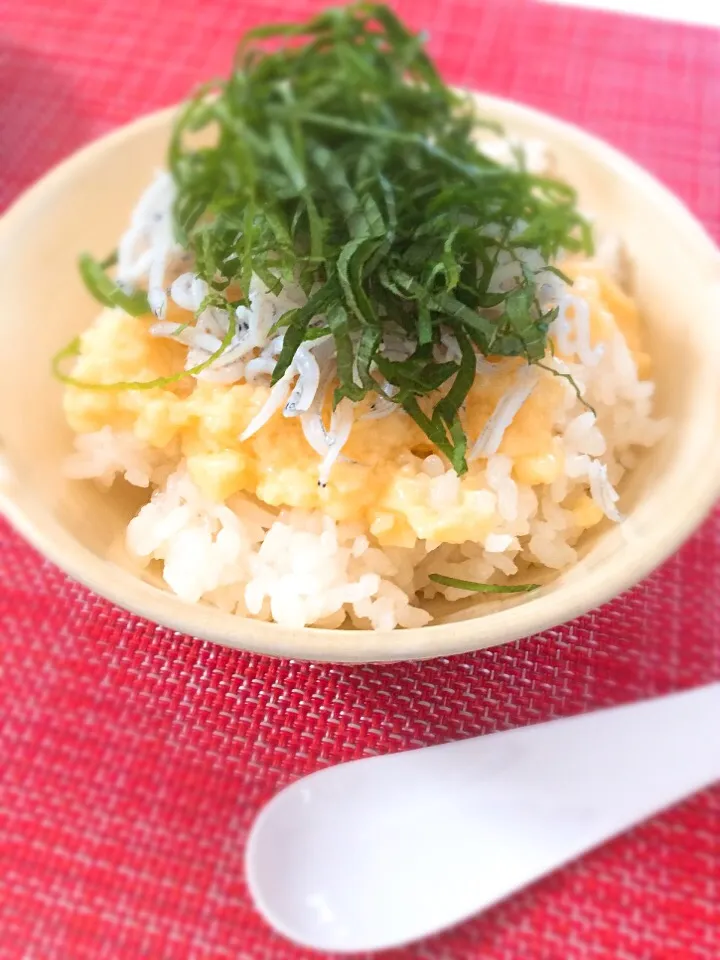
(133, 759)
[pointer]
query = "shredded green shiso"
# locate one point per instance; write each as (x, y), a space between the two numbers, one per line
(475, 587)
(342, 161)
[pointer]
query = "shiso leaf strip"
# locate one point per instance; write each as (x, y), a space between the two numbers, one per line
(106, 291)
(483, 587)
(337, 157)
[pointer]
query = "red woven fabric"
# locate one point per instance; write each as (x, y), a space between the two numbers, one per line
(133, 759)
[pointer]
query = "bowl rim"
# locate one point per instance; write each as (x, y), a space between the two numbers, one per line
(536, 614)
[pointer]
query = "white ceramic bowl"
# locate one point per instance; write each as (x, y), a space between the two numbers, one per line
(84, 205)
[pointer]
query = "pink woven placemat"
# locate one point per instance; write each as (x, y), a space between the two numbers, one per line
(133, 759)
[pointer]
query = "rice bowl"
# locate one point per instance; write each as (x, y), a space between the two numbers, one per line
(231, 322)
(326, 536)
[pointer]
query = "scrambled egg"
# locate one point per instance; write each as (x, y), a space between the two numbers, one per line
(380, 484)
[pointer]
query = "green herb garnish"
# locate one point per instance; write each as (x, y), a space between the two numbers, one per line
(483, 587)
(339, 159)
(106, 291)
(343, 161)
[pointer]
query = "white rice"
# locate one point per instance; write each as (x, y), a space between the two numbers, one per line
(302, 568)
(107, 453)
(295, 567)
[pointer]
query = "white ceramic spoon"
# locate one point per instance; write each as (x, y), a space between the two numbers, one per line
(380, 852)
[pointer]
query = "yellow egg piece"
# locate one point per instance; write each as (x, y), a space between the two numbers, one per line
(219, 475)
